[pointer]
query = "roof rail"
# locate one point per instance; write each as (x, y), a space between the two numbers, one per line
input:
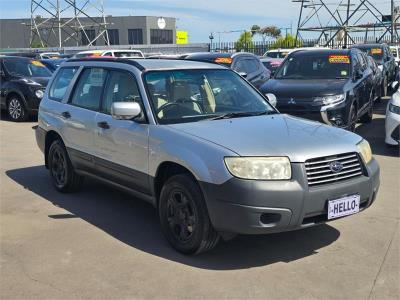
(109, 59)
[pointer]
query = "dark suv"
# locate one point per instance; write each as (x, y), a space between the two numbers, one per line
(331, 86)
(22, 86)
(246, 64)
(385, 60)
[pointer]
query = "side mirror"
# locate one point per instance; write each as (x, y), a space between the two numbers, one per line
(272, 99)
(2, 74)
(395, 85)
(243, 74)
(125, 110)
(358, 74)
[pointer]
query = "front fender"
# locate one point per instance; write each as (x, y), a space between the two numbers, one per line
(203, 159)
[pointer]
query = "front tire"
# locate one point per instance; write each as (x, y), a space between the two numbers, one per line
(64, 177)
(16, 109)
(385, 87)
(184, 217)
(352, 119)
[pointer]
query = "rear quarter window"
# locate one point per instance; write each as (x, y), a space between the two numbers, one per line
(61, 83)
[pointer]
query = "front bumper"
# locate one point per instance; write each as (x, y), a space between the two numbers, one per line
(259, 207)
(392, 128)
(336, 115)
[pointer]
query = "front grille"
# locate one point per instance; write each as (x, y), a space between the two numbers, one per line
(319, 172)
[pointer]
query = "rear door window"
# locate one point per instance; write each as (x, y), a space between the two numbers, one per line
(61, 83)
(89, 89)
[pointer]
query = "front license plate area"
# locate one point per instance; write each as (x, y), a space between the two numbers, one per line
(343, 206)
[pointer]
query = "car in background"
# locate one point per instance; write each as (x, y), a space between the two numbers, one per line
(330, 86)
(392, 121)
(49, 55)
(52, 64)
(203, 146)
(277, 53)
(272, 64)
(396, 53)
(385, 60)
(111, 53)
(377, 78)
(246, 64)
(22, 86)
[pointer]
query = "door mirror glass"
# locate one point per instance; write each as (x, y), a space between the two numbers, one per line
(125, 110)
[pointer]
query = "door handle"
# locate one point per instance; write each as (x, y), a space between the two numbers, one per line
(103, 125)
(66, 114)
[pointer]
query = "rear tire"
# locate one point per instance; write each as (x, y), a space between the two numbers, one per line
(184, 217)
(367, 117)
(16, 109)
(64, 177)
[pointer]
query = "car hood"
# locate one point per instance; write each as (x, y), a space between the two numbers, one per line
(274, 135)
(284, 88)
(41, 80)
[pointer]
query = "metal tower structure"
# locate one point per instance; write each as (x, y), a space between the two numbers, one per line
(57, 23)
(348, 21)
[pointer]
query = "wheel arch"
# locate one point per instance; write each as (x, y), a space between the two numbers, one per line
(166, 170)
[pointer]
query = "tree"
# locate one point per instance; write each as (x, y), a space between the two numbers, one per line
(255, 29)
(266, 31)
(245, 41)
(288, 41)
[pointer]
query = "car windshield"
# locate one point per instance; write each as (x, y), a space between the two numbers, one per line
(315, 66)
(127, 54)
(194, 95)
(375, 53)
(276, 54)
(26, 68)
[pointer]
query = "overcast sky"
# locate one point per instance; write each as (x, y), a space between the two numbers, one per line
(200, 17)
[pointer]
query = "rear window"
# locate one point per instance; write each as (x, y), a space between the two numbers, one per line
(61, 83)
(128, 54)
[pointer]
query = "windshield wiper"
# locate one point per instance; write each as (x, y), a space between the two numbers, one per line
(232, 115)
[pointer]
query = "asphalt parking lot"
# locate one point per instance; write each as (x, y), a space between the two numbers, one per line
(101, 243)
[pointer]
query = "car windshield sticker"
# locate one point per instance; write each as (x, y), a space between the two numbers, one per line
(339, 59)
(37, 63)
(376, 51)
(223, 60)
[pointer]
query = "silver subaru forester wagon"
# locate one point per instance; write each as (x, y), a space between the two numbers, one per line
(203, 146)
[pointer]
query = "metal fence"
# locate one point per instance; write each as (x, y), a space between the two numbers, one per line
(146, 49)
(259, 48)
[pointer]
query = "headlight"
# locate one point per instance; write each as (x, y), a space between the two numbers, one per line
(365, 150)
(261, 168)
(394, 108)
(328, 100)
(39, 94)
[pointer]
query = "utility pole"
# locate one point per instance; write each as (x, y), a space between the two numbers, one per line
(393, 21)
(346, 36)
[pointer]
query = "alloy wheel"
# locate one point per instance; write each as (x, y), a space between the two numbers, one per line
(15, 108)
(58, 167)
(181, 215)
